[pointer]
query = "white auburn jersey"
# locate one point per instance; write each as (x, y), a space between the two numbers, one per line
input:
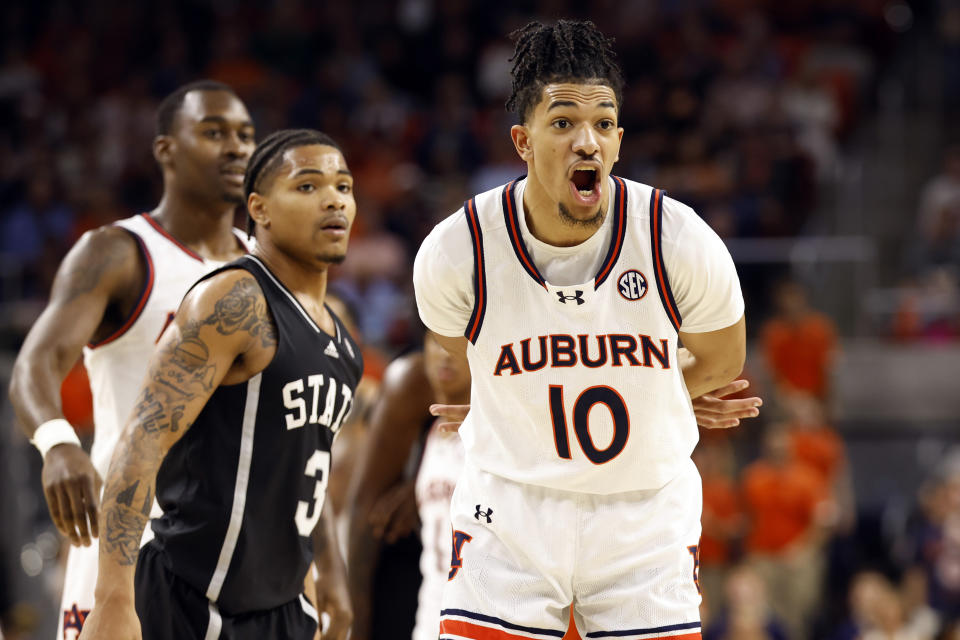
(117, 365)
(576, 387)
(440, 467)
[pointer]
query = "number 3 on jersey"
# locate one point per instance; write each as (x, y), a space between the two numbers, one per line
(581, 422)
(318, 466)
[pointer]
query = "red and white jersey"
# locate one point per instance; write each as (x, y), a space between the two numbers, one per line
(117, 365)
(575, 379)
(440, 467)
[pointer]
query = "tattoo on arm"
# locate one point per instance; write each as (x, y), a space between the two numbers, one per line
(244, 308)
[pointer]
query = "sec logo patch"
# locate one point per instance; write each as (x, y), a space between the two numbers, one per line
(632, 285)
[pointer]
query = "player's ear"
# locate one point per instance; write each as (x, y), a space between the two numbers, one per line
(257, 208)
(163, 149)
(521, 141)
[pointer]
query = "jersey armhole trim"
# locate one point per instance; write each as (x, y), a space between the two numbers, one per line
(141, 301)
(479, 273)
(663, 283)
(163, 232)
(619, 232)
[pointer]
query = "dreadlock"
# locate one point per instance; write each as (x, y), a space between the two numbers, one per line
(268, 156)
(170, 105)
(570, 51)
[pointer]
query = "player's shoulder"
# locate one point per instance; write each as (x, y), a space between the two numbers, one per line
(231, 289)
(406, 377)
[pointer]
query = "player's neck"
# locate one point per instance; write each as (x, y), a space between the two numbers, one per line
(542, 215)
(208, 230)
(306, 282)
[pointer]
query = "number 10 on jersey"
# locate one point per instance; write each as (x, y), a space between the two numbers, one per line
(602, 395)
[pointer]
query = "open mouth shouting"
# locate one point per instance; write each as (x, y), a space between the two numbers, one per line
(585, 184)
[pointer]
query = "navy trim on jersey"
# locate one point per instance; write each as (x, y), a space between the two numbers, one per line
(141, 299)
(503, 623)
(659, 268)
(513, 231)
(633, 632)
(479, 272)
(619, 231)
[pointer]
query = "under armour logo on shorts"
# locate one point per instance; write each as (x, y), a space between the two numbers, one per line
(486, 514)
(577, 295)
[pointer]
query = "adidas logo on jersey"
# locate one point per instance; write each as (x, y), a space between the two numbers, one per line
(331, 350)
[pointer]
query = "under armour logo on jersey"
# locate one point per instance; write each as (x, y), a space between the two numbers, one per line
(577, 295)
(331, 350)
(486, 514)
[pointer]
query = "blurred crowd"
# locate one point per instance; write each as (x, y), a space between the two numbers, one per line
(735, 107)
(739, 108)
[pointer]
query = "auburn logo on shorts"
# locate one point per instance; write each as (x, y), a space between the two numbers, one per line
(632, 285)
(456, 560)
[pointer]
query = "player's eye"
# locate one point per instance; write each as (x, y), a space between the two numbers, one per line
(606, 125)
(306, 187)
(345, 187)
(561, 123)
(213, 134)
(246, 136)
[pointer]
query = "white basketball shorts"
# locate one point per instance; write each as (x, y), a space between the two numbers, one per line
(522, 554)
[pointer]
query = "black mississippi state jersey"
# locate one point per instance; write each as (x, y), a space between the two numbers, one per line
(242, 490)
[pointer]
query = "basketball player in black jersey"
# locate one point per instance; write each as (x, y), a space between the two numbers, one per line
(233, 426)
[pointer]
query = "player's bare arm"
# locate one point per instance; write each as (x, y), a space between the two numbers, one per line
(95, 287)
(332, 589)
(714, 358)
(395, 423)
(223, 333)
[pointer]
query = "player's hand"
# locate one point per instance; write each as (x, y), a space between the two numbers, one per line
(394, 515)
(713, 411)
(452, 414)
(333, 598)
(72, 488)
(111, 620)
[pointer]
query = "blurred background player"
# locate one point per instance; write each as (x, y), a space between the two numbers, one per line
(233, 427)
(112, 297)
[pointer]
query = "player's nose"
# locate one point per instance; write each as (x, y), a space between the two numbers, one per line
(585, 140)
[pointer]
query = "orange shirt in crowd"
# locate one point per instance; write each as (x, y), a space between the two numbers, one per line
(721, 510)
(780, 502)
(821, 449)
(76, 399)
(799, 354)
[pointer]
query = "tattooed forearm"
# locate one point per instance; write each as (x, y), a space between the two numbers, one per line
(124, 531)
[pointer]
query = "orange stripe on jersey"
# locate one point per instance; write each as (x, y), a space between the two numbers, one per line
(480, 277)
(616, 243)
(655, 218)
(476, 632)
(518, 247)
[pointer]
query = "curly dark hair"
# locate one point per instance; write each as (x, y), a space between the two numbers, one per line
(268, 155)
(570, 51)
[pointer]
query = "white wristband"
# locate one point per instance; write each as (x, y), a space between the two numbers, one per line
(53, 432)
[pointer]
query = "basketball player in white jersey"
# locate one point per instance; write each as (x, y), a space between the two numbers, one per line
(569, 292)
(113, 295)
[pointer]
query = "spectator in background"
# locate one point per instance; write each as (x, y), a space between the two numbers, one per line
(722, 514)
(799, 344)
(747, 615)
(815, 443)
(782, 498)
(936, 538)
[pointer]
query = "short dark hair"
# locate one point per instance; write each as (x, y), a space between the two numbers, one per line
(268, 155)
(569, 51)
(169, 106)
